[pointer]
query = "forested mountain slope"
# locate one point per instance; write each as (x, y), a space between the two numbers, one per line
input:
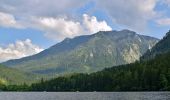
(13, 76)
(162, 46)
(86, 54)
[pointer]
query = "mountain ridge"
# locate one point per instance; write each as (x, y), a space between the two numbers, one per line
(87, 53)
(162, 46)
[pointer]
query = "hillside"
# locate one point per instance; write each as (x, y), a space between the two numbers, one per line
(152, 75)
(88, 53)
(13, 76)
(145, 75)
(161, 47)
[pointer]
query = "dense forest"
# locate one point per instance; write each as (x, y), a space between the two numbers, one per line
(149, 75)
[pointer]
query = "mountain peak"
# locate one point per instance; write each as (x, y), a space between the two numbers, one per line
(127, 31)
(87, 53)
(121, 33)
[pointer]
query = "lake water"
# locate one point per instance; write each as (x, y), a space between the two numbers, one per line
(85, 96)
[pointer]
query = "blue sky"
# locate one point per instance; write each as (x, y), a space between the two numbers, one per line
(10, 35)
(39, 24)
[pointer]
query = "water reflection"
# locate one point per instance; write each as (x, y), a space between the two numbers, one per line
(85, 96)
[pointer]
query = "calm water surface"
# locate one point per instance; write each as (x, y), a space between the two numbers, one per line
(85, 96)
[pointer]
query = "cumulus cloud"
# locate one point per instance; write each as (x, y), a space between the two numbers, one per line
(18, 50)
(8, 20)
(93, 25)
(60, 28)
(164, 21)
(133, 14)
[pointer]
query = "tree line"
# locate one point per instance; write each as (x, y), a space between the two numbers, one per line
(152, 75)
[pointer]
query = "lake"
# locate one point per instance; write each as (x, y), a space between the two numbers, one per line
(84, 95)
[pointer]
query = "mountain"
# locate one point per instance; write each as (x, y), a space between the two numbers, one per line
(151, 75)
(88, 53)
(145, 75)
(161, 47)
(14, 76)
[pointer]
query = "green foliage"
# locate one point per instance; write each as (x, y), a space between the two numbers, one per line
(10, 76)
(152, 75)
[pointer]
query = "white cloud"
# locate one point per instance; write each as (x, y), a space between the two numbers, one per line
(8, 20)
(93, 25)
(18, 50)
(164, 21)
(133, 14)
(60, 28)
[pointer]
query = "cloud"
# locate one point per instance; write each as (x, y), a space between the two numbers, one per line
(163, 21)
(8, 20)
(166, 2)
(60, 28)
(133, 14)
(18, 50)
(50, 8)
(92, 25)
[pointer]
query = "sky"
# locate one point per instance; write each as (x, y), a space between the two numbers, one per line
(29, 26)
